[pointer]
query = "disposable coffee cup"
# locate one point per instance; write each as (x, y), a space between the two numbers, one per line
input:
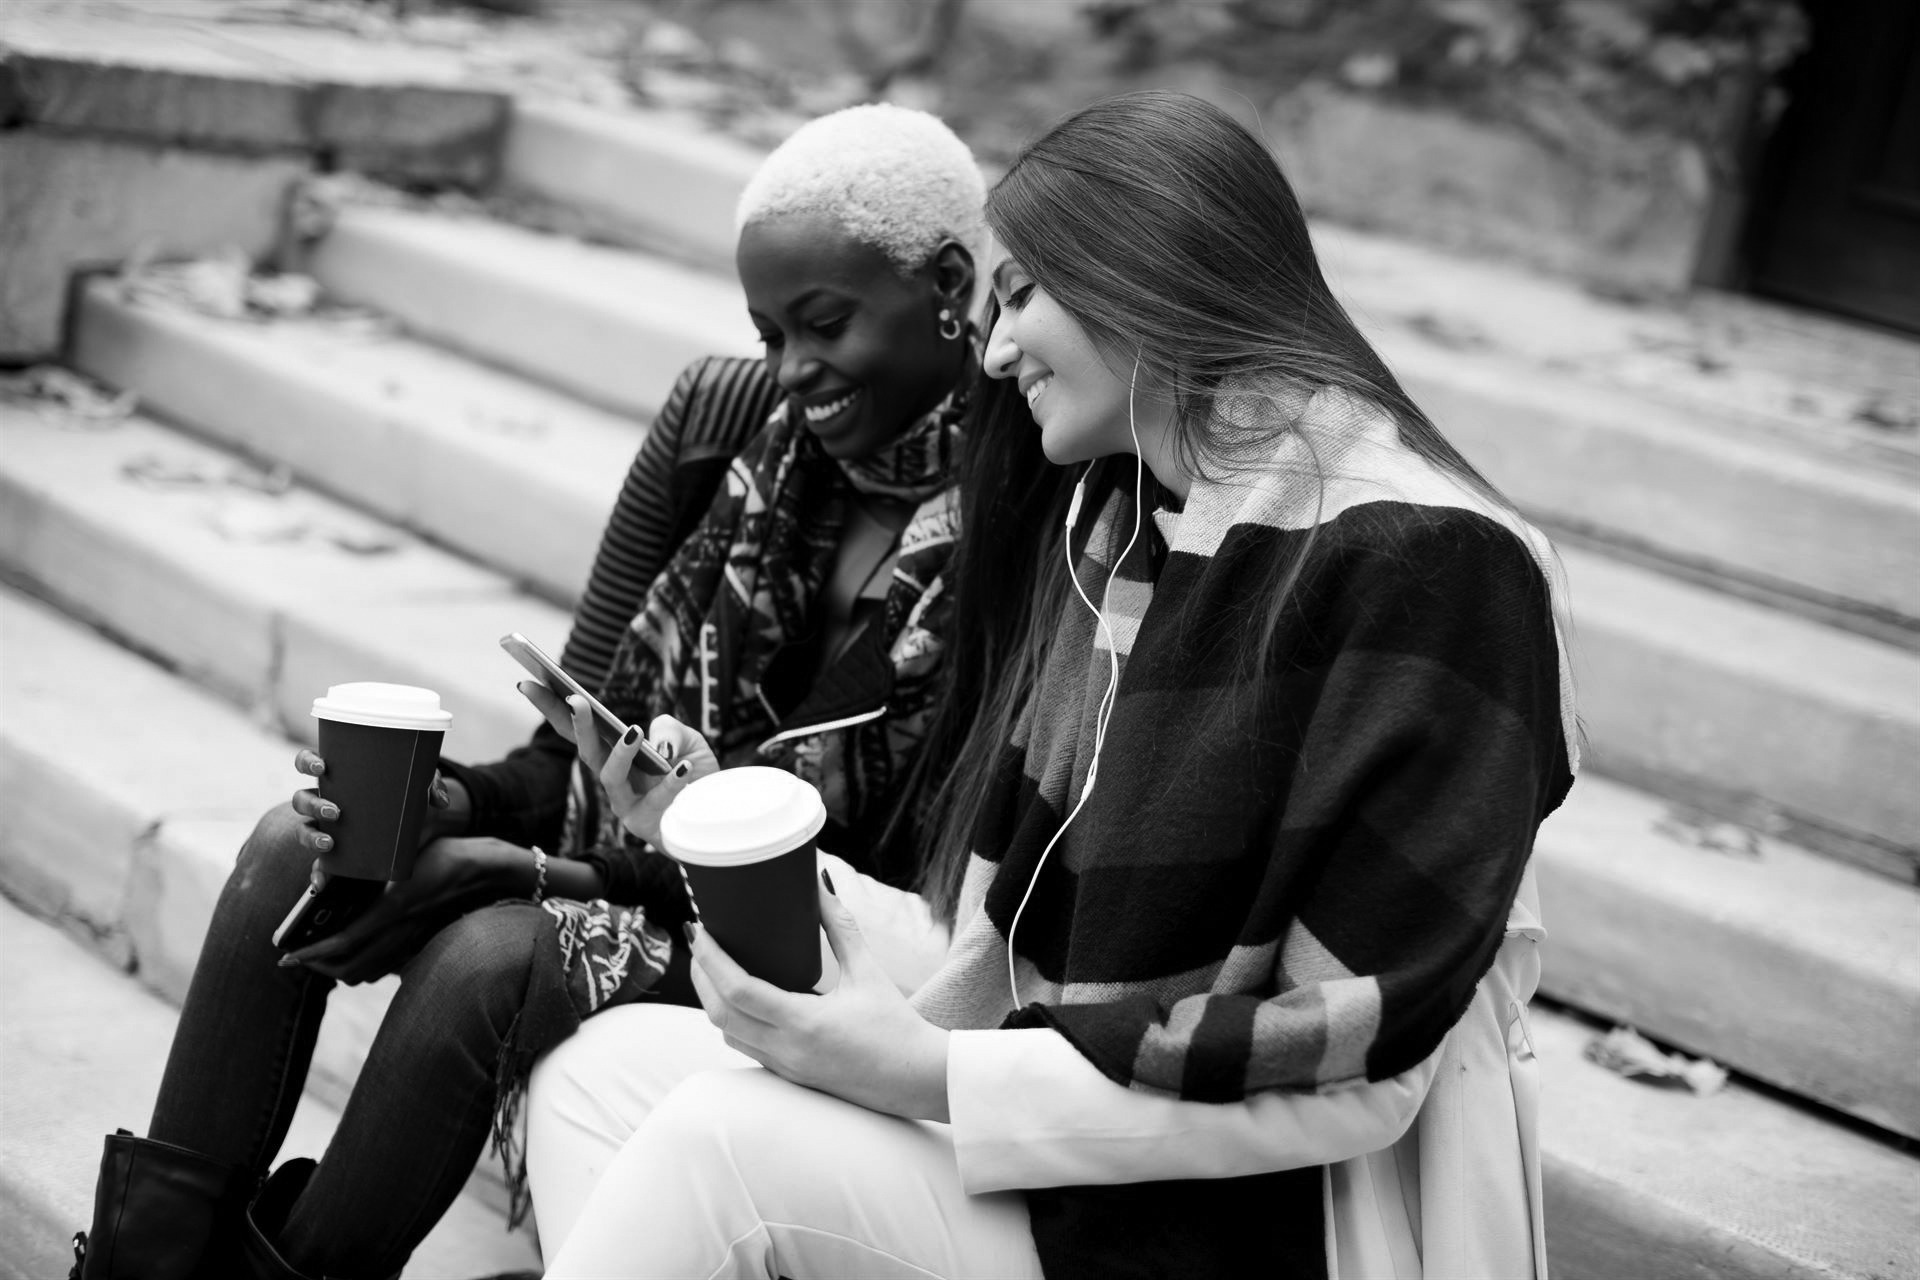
(744, 838)
(381, 743)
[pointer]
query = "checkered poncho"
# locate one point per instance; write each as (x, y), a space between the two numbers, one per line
(1290, 884)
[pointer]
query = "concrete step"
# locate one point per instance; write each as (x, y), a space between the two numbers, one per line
(1648, 1181)
(510, 473)
(681, 195)
(1785, 965)
(1681, 685)
(1583, 409)
(268, 597)
(110, 829)
(70, 1081)
(609, 326)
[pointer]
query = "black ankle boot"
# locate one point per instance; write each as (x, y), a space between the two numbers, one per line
(265, 1218)
(160, 1212)
(267, 1215)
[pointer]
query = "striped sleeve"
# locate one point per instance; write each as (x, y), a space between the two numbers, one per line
(716, 406)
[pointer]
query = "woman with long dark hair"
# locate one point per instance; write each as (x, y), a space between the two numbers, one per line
(1254, 721)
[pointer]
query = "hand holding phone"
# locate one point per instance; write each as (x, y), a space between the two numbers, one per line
(608, 727)
(328, 906)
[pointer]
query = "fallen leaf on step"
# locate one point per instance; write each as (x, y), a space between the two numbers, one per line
(363, 542)
(157, 472)
(1704, 831)
(1449, 331)
(62, 395)
(283, 295)
(273, 482)
(1626, 1052)
(258, 522)
(215, 286)
(1884, 410)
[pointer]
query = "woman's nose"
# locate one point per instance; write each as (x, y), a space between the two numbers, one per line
(1003, 353)
(795, 371)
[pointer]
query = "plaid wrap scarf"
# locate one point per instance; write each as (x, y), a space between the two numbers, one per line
(1292, 883)
(738, 590)
(741, 589)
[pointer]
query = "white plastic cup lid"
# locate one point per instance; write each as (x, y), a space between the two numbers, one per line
(383, 706)
(740, 816)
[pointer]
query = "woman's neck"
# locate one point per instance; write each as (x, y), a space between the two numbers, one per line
(1159, 445)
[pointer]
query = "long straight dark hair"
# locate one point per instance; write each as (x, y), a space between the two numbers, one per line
(1168, 232)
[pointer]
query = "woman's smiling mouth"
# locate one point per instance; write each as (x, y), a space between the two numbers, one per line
(819, 415)
(1033, 390)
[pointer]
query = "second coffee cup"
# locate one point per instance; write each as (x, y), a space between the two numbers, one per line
(381, 743)
(745, 840)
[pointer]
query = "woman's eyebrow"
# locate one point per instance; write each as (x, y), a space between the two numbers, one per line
(1000, 273)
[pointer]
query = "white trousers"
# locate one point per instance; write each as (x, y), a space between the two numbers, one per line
(656, 1151)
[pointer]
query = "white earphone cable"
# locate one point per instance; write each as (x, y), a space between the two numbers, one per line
(1103, 712)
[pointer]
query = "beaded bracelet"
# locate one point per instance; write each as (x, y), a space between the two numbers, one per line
(539, 874)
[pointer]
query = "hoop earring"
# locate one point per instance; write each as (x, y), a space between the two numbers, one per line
(950, 328)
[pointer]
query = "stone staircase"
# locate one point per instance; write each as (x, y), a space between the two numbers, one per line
(305, 501)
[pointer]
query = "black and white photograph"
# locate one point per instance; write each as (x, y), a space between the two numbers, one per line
(959, 639)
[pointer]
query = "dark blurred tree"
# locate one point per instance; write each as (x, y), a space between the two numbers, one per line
(915, 56)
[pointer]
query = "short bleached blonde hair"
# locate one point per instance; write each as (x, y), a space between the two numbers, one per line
(895, 178)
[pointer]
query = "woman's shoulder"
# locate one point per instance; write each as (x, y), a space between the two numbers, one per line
(1463, 554)
(721, 402)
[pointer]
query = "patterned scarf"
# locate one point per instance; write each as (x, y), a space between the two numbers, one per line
(1286, 883)
(737, 591)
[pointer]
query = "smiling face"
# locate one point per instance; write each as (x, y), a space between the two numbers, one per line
(1073, 392)
(851, 339)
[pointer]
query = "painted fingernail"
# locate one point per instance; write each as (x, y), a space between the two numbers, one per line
(631, 736)
(827, 880)
(288, 962)
(329, 810)
(686, 931)
(322, 841)
(682, 769)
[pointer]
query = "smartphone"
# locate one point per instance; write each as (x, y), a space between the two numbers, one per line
(326, 910)
(606, 724)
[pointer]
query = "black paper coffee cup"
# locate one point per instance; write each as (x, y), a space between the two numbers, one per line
(381, 743)
(745, 840)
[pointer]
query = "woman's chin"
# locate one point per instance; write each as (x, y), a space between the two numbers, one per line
(1065, 449)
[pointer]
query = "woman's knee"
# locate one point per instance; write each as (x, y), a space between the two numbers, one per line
(478, 967)
(731, 1116)
(610, 1074)
(272, 868)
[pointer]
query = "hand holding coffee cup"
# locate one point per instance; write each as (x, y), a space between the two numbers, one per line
(381, 747)
(745, 840)
(449, 809)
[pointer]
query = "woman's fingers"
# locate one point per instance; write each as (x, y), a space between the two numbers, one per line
(437, 795)
(674, 740)
(745, 997)
(548, 703)
(585, 739)
(308, 804)
(620, 759)
(844, 936)
(309, 763)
